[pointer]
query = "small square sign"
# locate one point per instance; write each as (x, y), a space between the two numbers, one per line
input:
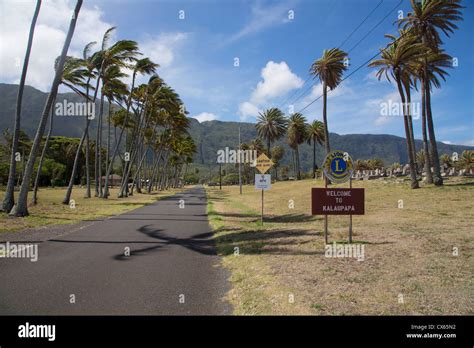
(263, 181)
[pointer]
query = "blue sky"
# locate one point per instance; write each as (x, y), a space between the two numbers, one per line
(197, 56)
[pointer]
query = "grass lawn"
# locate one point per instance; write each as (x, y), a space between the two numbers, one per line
(50, 211)
(408, 268)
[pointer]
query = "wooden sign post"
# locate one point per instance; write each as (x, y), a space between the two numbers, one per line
(337, 201)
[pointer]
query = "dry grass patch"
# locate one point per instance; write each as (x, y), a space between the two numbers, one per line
(408, 251)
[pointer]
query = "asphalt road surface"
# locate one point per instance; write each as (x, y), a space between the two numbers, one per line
(172, 268)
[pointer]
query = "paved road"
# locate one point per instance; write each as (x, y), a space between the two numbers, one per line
(171, 255)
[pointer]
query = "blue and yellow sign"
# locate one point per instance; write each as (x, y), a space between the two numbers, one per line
(338, 167)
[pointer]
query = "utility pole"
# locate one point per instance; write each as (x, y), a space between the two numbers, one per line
(220, 176)
(240, 168)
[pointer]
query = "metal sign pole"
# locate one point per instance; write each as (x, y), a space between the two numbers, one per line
(261, 219)
(350, 216)
(325, 216)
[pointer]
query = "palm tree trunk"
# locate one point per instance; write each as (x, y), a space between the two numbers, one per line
(106, 192)
(297, 155)
(437, 179)
(314, 159)
(114, 154)
(410, 123)
(34, 200)
(67, 196)
(99, 140)
(88, 177)
(325, 119)
(411, 159)
(21, 208)
(9, 199)
(429, 176)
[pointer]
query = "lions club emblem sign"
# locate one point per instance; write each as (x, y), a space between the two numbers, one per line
(338, 167)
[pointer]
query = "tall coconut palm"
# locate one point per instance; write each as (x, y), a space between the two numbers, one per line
(329, 69)
(21, 209)
(121, 54)
(396, 61)
(315, 135)
(142, 66)
(9, 200)
(271, 126)
(427, 20)
(297, 134)
(434, 63)
(74, 77)
(90, 66)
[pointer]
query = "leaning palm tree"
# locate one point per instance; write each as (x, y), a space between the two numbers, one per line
(9, 199)
(315, 135)
(297, 134)
(120, 54)
(427, 19)
(271, 126)
(21, 208)
(396, 61)
(329, 69)
(90, 66)
(34, 199)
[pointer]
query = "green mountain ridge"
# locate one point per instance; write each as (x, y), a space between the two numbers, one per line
(210, 136)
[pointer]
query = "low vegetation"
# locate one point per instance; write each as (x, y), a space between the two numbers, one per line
(410, 239)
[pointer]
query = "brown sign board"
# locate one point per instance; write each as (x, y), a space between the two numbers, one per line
(337, 201)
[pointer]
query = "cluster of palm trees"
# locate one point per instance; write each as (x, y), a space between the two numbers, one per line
(150, 116)
(415, 57)
(272, 125)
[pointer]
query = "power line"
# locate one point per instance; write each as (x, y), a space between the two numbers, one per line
(358, 68)
(340, 45)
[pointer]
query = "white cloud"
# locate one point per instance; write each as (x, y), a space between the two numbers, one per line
(205, 116)
(278, 80)
(246, 110)
(50, 32)
(161, 49)
(446, 142)
(262, 18)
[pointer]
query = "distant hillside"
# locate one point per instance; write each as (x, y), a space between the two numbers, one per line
(212, 135)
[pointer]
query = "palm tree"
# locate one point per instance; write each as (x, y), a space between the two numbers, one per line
(90, 66)
(9, 199)
(21, 209)
(120, 54)
(427, 19)
(397, 60)
(315, 135)
(297, 134)
(271, 126)
(433, 63)
(74, 76)
(329, 69)
(142, 66)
